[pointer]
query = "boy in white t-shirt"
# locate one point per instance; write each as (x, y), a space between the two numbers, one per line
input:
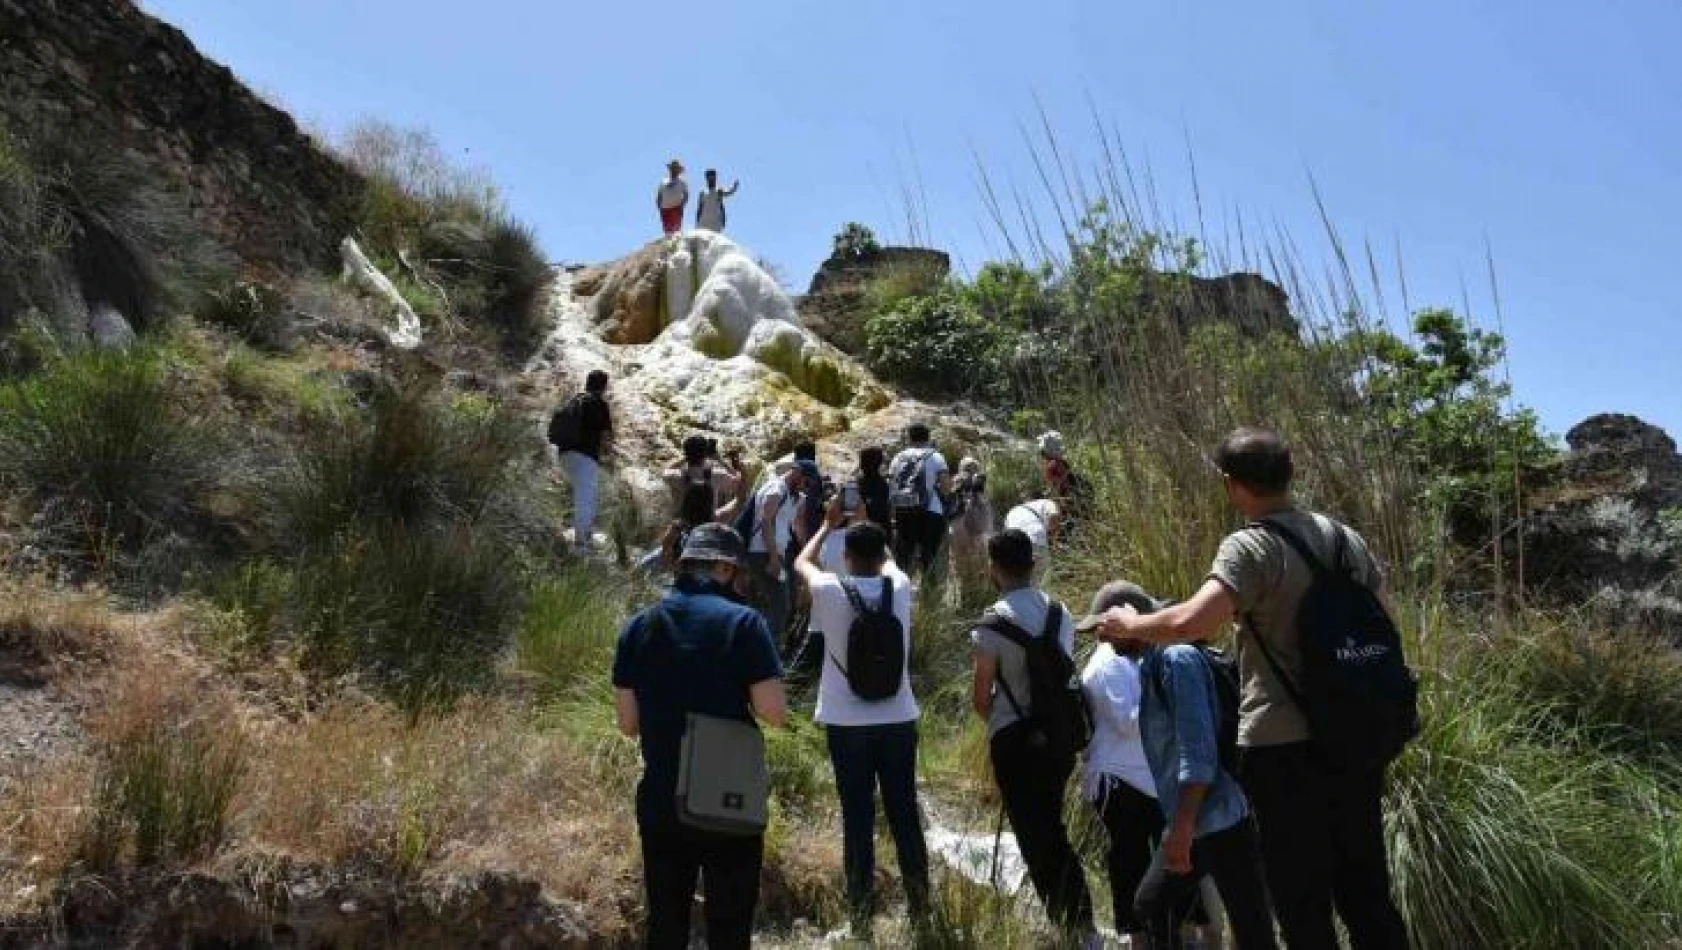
(872, 741)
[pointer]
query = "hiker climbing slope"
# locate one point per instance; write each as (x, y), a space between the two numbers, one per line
(920, 479)
(581, 431)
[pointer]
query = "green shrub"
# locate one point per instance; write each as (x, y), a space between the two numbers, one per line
(855, 241)
(567, 634)
(1498, 837)
(91, 219)
(938, 346)
(423, 613)
(102, 447)
(414, 458)
(253, 311)
(162, 793)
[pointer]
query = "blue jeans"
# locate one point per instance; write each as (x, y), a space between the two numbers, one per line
(864, 758)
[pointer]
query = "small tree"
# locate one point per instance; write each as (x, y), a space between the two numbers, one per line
(855, 241)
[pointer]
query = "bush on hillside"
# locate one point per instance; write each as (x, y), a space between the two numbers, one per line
(90, 219)
(445, 228)
(855, 241)
(400, 544)
(107, 454)
(254, 311)
(938, 346)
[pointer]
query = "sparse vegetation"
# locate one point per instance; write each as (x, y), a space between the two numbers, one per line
(855, 241)
(445, 232)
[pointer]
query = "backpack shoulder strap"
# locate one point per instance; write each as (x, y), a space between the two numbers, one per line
(1005, 628)
(1053, 624)
(854, 598)
(1273, 664)
(1296, 543)
(887, 595)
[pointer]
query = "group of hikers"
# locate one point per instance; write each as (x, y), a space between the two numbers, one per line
(672, 197)
(1262, 770)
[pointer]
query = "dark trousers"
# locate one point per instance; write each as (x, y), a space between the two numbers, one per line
(868, 758)
(770, 592)
(1031, 782)
(918, 535)
(728, 866)
(1231, 858)
(1134, 823)
(1322, 841)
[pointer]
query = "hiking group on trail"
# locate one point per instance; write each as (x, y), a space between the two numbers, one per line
(1261, 770)
(671, 197)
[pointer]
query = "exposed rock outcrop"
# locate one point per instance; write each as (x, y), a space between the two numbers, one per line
(1606, 524)
(835, 304)
(697, 337)
(107, 73)
(1251, 302)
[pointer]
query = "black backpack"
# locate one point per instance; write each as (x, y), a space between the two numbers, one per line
(698, 502)
(910, 488)
(1058, 713)
(875, 646)
(1223, 670)
(566, 426)
(1356, 691)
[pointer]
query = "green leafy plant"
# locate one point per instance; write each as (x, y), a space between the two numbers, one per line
(938, 345)
(855, 241)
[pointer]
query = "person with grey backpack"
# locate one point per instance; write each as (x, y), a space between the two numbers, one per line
(691, 674)
(866, 706)
(920, 482)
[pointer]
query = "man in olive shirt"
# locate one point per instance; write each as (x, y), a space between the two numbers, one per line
(1322, 831)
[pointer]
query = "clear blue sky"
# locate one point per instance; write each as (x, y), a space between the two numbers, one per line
(1550, 130)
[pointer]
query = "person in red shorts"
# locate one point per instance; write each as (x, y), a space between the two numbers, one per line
(671, 197)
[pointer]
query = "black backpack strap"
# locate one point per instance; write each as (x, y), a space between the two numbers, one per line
(1296, 543)
(854, 598)
(1015, 634)
(887, 594)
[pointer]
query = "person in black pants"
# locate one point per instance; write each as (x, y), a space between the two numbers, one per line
(699, 650)
(1321, 828)
(1324, 847)
(1209, 825)
(1031, 776)
(921, 482)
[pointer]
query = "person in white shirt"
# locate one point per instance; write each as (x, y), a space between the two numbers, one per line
(1039, 519)
(872, 742)
(919, 481)
(775, 506)
(672, 197)
(1117, 779)
(709, 208)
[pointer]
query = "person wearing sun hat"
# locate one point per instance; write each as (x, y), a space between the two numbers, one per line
(672, 197)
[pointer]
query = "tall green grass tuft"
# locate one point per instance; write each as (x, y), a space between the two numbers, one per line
(107, 453)
(162, 793)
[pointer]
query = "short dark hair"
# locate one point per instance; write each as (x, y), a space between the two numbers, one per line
(871, 460)
(1258, 459)
(696, 449)
(712, 171)
(1012, 552)
(596, 382)
(917, 432)
(806, 451)
(866, 543)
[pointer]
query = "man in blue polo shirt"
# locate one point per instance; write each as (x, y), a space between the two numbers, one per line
(699, 650)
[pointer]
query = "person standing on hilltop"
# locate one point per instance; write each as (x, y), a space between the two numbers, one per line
(672, 197)
(581, 431)
(696, 665)
(1328, 701)
(709, 208)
